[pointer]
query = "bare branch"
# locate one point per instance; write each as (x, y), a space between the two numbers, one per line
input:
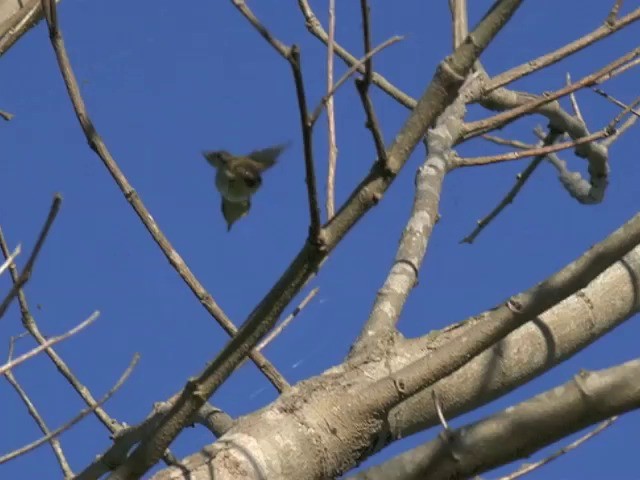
(76, 419)
(511, 195)
(278, 330)
(28, 268)
(52, 341)
(561, 53)
(363, 85)
(9, 260)
(614, 100)
(33, 412)
(30, 325)
(536, 151)
(529, 467)
(574, 102)
(522, 429)
(313, 25)
(280, 47)
(356, 67)
(331, 121)
(307, 139)
(459, 19)
(479, 127)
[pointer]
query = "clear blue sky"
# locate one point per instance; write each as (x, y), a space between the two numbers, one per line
(164, 80)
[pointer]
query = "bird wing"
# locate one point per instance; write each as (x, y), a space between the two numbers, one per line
(215, 158)
(233, 211)
(267, 157)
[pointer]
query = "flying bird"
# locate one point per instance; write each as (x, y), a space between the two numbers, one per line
(238, 178)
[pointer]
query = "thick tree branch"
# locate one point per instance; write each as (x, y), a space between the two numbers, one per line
(522, 429)
(497, 323)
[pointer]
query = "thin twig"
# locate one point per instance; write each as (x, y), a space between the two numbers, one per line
(30, 326)
(315, 27)
(631, 120)
(479, 127)
(278, 330)
(9, 260)
(331, 121)
(33, 412)
(504, 141)
(28, 268)
(441, 417)
(561, 53)
(307, 138)
(365, 12)
(363, 85)
(51, 341)
(537, 151)
(574, 102)
(618, 71)
(511, 195)
(573, 445)
(76, 419)
(280, 47)
(614, 100)
(355, 67)
(98, 146)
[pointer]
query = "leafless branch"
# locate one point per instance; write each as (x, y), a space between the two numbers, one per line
(52, 341)
(459, 19)
(99, 147)
(507, 142)
(532, 152)
(522, 429)
(280, 47)
(83, 413)
(28, 268)
(307, 139)
(480, 127)
(30, 325)
(314, 26)
(9, 260)
(331, 121)
(278, 330)
(574, 102)
(563, 52)
(529, 467)
(356, 67)
(363, 85)
(614, 100)
(522, 178)
(33, 412)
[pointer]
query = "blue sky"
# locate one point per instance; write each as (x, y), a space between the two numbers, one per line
(165, 80)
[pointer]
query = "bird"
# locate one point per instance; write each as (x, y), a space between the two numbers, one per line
(238, 178)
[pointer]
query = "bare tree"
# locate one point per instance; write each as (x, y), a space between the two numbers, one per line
(390, 386)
